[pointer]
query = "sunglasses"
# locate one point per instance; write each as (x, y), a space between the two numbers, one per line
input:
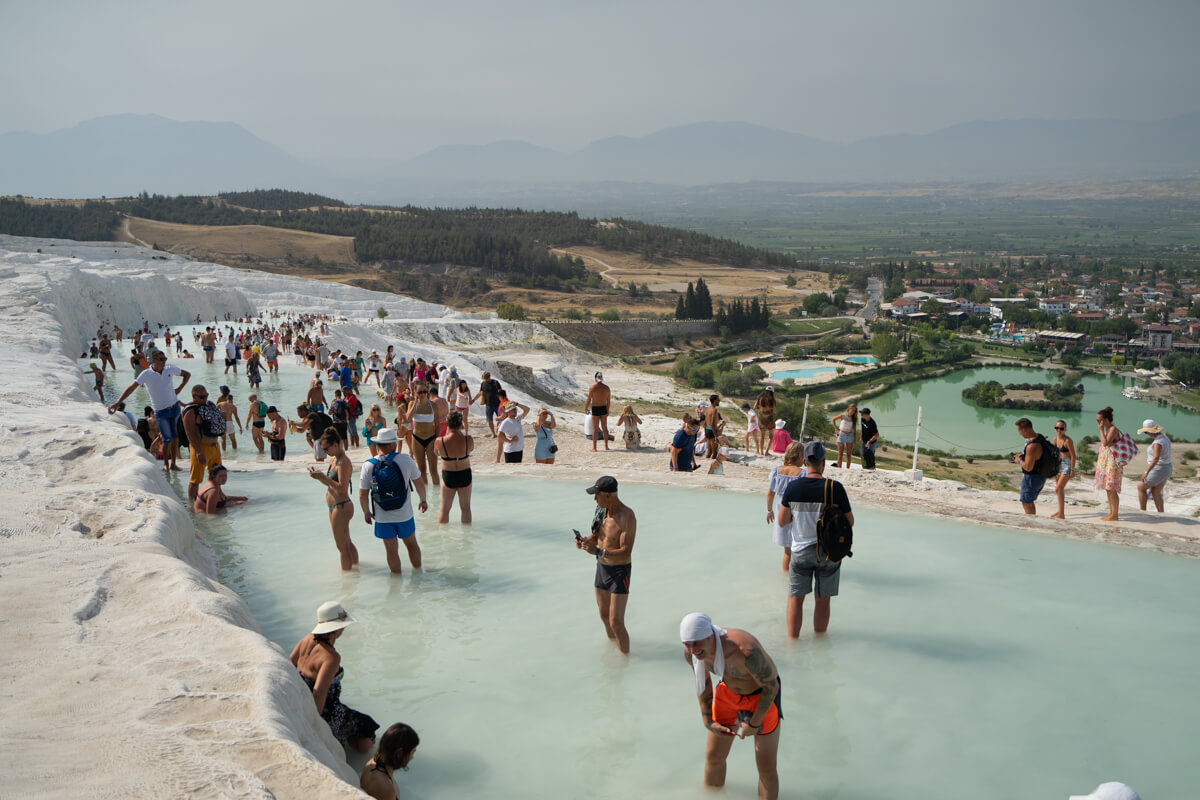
(1059, 428)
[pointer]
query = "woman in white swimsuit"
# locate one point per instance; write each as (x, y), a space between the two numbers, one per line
(462, 402)
(423, 417)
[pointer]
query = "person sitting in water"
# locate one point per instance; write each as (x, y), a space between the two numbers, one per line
(320, 667)
(396, 749)
(211, 498)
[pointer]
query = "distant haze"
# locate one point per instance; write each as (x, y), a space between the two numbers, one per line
(384, 81)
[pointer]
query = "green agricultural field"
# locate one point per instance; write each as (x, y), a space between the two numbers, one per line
(807, 325)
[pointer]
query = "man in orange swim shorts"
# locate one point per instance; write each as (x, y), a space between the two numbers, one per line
(746, 701)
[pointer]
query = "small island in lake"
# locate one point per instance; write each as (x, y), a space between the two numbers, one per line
(1065, 396)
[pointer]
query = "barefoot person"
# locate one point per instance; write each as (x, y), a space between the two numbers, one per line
(1030, 460)
(337, 483)
(846, 425)
(745, 702)
(1066, 466)
(229, 410)
(1158, 466)
(598, 398)
(543, 431)
(611, 541)
(320, 667)
(396, 749)
(454, 449)
(383, 493)
(1109, 468)
(164, 396)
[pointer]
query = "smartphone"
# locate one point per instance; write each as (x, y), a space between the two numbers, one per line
(578, 536)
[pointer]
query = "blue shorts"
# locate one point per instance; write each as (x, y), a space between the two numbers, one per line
(491, 412)
(168, 423)
(395, 530)
(1031, 487)
(845, 438)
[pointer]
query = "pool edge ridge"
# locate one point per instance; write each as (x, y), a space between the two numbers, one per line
(107, 584)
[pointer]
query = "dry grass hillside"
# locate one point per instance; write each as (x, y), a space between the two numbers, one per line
(240, 244)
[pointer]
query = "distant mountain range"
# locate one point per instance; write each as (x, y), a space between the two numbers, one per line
(126, 154)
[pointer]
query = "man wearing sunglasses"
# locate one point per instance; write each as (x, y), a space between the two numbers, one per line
(164, 398)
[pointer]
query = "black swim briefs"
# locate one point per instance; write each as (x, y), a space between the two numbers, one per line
(613, 577)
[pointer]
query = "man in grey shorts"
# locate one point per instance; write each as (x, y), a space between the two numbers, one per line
(803, 501)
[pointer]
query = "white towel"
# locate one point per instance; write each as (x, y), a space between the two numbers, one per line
(695, 628)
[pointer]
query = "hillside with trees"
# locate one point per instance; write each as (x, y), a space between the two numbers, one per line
(510, 244)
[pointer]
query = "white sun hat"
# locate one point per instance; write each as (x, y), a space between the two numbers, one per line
(332, 617)
(385, 436)
(1113, 790)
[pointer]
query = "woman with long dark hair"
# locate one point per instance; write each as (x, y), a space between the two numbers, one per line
(396, 749)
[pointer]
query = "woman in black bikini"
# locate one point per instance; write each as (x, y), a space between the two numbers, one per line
(423, 417)
(210, 498)
(396, 749)
(1066, 469)
(320, 667)
(455, 451)
(338, 485)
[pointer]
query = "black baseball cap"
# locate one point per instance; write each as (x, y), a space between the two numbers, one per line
(605, 483)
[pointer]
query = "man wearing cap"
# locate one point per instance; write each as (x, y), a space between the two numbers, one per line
(164, 397)
(613, 530)
(397, 524)
(204, 424)
(870, 439)
(598, 398)
(804, 500)
(745, 702)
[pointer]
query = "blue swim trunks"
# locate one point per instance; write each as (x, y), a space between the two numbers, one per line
(395, 530)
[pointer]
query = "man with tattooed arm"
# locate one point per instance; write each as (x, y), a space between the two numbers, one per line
(745, 702)
(614, 528)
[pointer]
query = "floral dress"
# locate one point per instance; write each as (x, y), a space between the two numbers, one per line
(1108, 472)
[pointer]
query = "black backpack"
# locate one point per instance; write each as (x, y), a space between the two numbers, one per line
(1048, 465)
(835, 535)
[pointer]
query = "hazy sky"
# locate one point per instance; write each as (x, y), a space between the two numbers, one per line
(344, 78)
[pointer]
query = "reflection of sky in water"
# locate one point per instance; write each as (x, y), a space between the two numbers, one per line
(950, 421)
(495, 655)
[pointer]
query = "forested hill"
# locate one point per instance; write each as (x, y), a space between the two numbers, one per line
(509, 243)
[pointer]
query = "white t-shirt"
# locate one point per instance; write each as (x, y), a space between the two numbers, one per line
(411, 473)
(160, 386)
(1162, 441)
(751, 421)
(512, 427)
(231, 350)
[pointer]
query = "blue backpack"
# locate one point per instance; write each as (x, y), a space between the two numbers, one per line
(389, 488)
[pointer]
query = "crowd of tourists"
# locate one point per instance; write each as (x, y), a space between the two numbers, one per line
(426, 407)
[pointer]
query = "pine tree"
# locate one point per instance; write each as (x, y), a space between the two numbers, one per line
(690, 306)
(704, 307)
(680, 311)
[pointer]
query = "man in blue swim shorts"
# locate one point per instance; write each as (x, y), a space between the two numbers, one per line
(377, 491)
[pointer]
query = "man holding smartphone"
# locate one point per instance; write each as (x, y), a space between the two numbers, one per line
(611, 542)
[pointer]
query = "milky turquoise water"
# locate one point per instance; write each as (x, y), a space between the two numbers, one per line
(963, 661)
(950, 421)
(861, 359)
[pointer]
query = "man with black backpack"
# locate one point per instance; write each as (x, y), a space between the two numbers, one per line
(203, 425)
(1039, 460)
(818, 507)
(383, 493)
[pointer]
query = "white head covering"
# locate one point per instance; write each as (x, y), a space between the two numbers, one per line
(698, 627)
(1113, 790)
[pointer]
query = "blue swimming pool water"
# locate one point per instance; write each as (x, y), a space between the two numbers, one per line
(861, 359)
(808, 369)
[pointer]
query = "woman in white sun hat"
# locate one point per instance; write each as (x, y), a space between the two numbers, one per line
(320, 666)
(1158, 466)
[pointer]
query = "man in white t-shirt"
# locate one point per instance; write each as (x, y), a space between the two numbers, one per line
(231, 355)
(510, 435)
(164, 398)
(397, 524)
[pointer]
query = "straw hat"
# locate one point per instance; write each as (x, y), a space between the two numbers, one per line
(1150, 426)
(332, 617)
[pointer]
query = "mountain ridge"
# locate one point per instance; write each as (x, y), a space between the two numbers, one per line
(124, 154)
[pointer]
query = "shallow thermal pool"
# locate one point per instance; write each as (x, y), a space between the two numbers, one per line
(805, 370)
(963, 661)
